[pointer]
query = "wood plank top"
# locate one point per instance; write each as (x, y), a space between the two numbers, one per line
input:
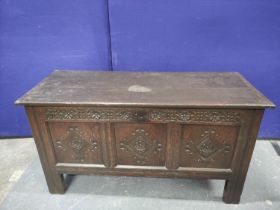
(161, 89)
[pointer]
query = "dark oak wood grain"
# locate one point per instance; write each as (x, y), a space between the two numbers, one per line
(146, 89)
(183, 125)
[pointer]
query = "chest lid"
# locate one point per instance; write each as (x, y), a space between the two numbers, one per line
(151, 89)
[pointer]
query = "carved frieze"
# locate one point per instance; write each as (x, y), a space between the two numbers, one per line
(159, 115)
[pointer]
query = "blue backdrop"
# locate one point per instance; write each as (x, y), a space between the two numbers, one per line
(202, 35)
(152, 35)
(38, 36)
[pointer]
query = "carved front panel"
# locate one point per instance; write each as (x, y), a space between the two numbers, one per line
(207, 146)
(140, 144)
(77, 142)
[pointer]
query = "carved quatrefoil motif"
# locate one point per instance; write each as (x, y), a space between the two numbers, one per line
(141, 146)
(208, 146)
(77, 143)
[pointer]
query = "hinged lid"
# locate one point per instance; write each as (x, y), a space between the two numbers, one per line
(146, 89)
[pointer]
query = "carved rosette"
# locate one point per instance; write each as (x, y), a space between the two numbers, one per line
(207, 147)
(77, 143)
(157, 115)
(140, 146)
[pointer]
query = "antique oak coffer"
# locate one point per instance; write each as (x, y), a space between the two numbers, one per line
(183, 125)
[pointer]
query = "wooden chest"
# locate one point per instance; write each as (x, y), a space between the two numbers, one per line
(184, 125)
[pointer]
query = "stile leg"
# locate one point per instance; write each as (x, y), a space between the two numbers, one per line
(55, 182)
(234, 186)
(232, 191)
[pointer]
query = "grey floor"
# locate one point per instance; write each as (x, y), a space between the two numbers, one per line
(23, 186)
